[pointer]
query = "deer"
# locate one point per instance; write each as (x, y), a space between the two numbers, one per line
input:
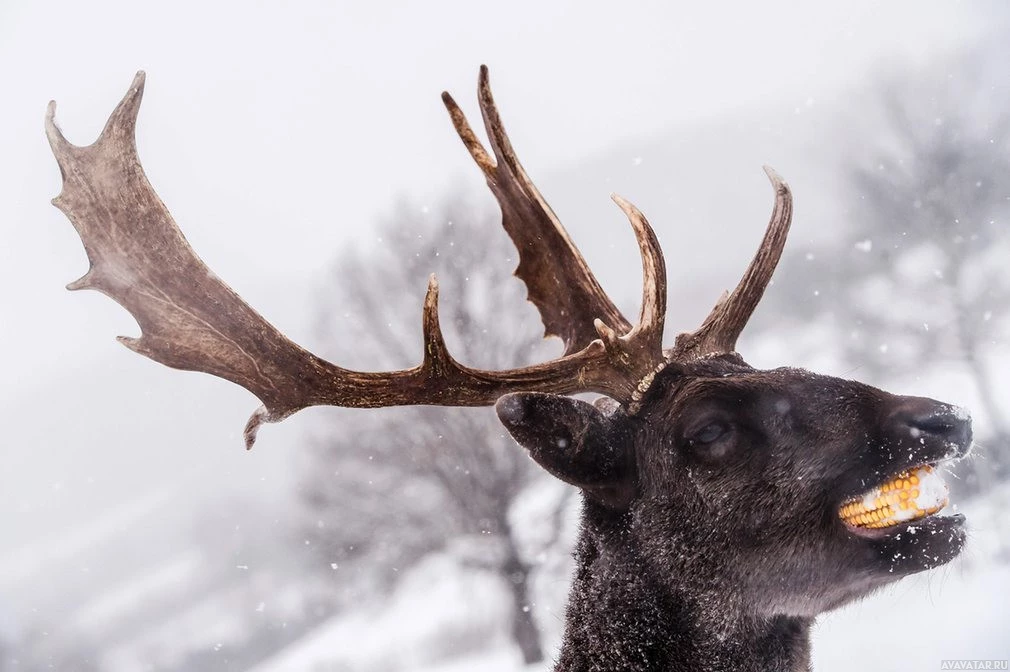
(724, 507)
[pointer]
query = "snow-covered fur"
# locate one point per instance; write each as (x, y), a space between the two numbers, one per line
(710, 535)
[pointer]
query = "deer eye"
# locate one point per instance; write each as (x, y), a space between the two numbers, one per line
(710, 433)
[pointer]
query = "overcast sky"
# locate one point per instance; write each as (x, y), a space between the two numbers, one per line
(276, 132)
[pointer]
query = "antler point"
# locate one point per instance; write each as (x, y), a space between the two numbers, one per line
(607, 334)
(131, 343)
(83, 282)
(483, 86)
(776, 179)
(628, 207)
(57, 140)
(138, 82)
(252, 426)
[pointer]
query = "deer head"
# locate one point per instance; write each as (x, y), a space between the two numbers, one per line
(774, 494)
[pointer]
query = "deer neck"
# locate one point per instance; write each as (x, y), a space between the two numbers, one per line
(619, 619)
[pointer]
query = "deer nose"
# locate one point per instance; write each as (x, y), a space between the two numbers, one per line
(927, 419)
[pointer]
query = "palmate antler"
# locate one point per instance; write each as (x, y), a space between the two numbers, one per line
(191, 320)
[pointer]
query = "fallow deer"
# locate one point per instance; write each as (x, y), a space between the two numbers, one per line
(724, 507)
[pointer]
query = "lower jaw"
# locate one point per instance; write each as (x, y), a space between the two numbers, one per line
(922, 545)
(928, 525)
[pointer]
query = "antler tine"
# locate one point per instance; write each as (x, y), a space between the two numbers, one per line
(720, 330)
(557, 278)
(436, 364)
(641, 349)
(437, 360)
(652, 316)
(469, 138)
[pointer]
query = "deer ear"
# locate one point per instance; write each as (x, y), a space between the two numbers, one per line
(574, 441)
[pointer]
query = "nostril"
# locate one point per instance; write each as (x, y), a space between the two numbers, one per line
(927, 420)
(940, 425)
(954, 431)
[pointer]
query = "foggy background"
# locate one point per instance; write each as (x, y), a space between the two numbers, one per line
(304, 151)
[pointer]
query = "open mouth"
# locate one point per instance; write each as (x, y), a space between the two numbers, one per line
(909, 496)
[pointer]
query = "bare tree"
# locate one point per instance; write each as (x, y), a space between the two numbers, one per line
(390, 486)
(929, 225)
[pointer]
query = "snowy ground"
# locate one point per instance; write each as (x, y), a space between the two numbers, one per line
(447, 620)
(141, 601)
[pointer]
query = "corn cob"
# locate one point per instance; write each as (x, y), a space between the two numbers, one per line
(910, 495)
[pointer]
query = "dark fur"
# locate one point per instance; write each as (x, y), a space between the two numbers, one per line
(718, 555)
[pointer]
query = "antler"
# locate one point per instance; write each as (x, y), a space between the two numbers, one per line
(557, 277)
(192, 320)
(719, 331)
